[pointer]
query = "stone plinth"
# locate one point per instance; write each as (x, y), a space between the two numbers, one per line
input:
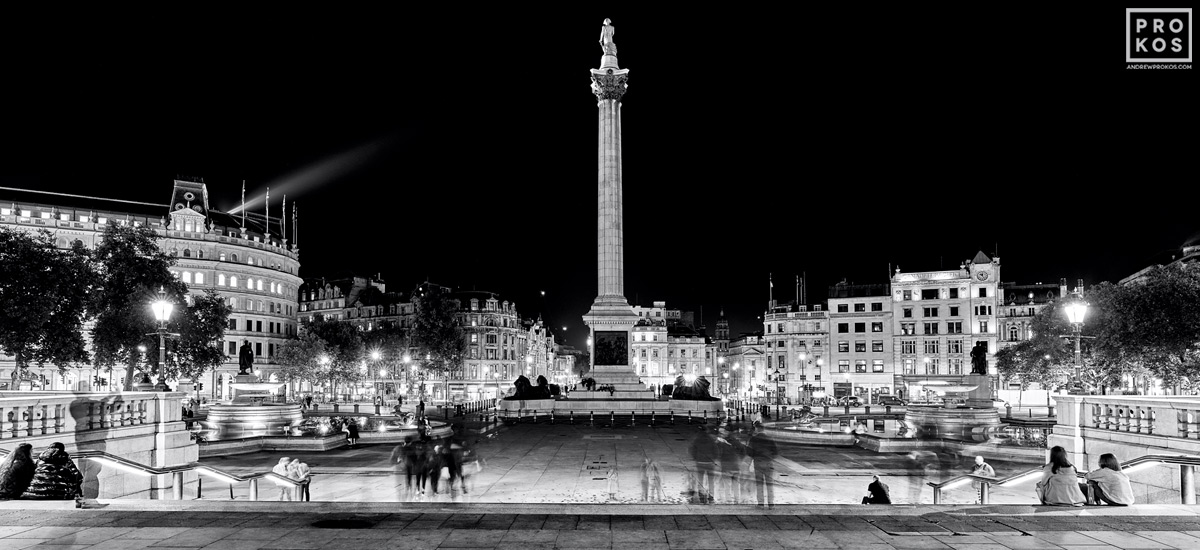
(961, 423)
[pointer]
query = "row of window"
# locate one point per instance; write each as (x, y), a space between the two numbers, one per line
(844, 328)
(935, 294)
(273, 327)
(860, 365)
(952, 327)
(980, 311)
(221, 256)
(932, 347)
(860, 307)
(250, 304)
(812, 326)
(232, 281)
(932, 365)
(860, 346)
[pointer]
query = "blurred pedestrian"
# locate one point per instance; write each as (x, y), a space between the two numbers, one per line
(981, 468)
(762, 450)
(730, 452)
(652, 489)
(352, 431)
(286, 491)
(704, 454)
(300, 471)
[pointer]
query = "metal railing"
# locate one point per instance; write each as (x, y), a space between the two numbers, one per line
(177, 471)
(1187, 479)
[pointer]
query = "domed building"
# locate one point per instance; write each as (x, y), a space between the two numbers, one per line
(243, 257)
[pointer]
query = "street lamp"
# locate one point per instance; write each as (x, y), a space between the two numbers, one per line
(162, 313)
(1076, 311)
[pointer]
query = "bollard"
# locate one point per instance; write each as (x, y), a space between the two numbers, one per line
(177, 485)
(356, 408)
(1051, 411)
(572, 415)
(591, 418)
(551, 416)
(199, 487)
(535, 416)
(847, 409)
(1187, 483)
(825, 411)
(867, 410)
(985, 492)
(887, 409)
(743, 414)
(632, 419)
(377, 409)
(689, 416)
(651, 418)
(672, 418)
(706, 417)
(1007, 411)
(612, 419)
(335, 407)
(253, 489)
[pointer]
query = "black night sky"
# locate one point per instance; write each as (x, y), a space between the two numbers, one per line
(461, 146)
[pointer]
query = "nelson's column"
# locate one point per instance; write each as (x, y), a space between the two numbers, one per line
(611, 318)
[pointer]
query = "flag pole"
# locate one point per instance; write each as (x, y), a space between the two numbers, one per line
(243, 204)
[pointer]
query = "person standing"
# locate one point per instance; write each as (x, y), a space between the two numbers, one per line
(285, 488)
(352, 431)
(763, 450)
(652, 490)
(704, 453)
(300, 471)
(981, 468)
(421, 410)
(1109, 484)
(730, 452)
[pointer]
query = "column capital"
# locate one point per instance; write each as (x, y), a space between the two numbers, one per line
(609, 83)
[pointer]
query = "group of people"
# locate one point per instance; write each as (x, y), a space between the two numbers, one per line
(53, 476)
(436, 466)
(727, 463)
(1059, 484)
(294, 469)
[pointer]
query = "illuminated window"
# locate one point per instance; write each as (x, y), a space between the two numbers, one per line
(199, 278)
(187, 277)
(233, 280)
(220, 279)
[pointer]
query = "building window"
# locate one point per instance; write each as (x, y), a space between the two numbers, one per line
(876, 327)
(983, 327)
(232, 347)
(910, 366)
(232, 324)
(983, 292)
(983, 310)
(908, 329)
(954, 327)
(779, 328)
(908, 312)
(258, 348)
(858, 308)
(1012, 334)
(860, 365)
(877, 365)
(907, 295)
(234, 257)
(876, 306)
(930, 312)
(860, 346)
(860, 327)
(931, 328)
(956, 365)
(955, 346)
(843, 365)
(931, 347)
(474, 338)
(843, 346)
(953, 294)
(843, 308)
(260, 286)
(220, 279)
(258, 324)
(199, 278)
(843, 328)
(187, 277)
(877, 346)
(931, 365)
(233, 281)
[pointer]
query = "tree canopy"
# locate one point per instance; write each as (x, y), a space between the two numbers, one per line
(43, 299)
(440, 342)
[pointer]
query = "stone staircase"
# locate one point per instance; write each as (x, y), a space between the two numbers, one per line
(626, 384)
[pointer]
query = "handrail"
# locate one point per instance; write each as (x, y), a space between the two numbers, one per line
(178, 470)
(938, 487)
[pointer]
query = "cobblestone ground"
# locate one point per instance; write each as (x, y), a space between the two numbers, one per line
(571, 464)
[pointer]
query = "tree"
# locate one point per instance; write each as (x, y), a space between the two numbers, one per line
(201, 331)
(43, 300)
(343, 349)
(439, 340)
(131, 270)
(1151, 327)
(1045, 358)
(298, 358)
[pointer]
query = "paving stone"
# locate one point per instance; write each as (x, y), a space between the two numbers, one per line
(1128, 541)
(695, 540)
(584, 539)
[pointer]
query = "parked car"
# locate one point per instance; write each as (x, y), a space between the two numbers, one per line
(852, 400)
(892, 400)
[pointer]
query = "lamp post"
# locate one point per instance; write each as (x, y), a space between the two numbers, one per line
(375, 355)
(323, 360)
(162, 313)
(724, 374)
(1076, 311)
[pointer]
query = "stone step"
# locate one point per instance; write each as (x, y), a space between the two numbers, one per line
(639, 394)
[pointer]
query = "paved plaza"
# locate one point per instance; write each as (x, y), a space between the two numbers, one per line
(570, 464)
(136, 524)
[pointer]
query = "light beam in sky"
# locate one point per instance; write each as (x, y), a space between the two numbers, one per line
(321, 172)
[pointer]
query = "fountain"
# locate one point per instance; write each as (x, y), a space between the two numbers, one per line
(250, 413)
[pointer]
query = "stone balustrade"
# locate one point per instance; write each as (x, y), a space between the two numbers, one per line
(31, 414)
(1130, 426)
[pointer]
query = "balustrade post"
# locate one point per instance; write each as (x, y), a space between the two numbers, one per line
(1152, 419)
(3, 422)
(1187, 484)
(177, 485)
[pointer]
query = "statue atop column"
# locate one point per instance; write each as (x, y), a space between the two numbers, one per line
(606, 38)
